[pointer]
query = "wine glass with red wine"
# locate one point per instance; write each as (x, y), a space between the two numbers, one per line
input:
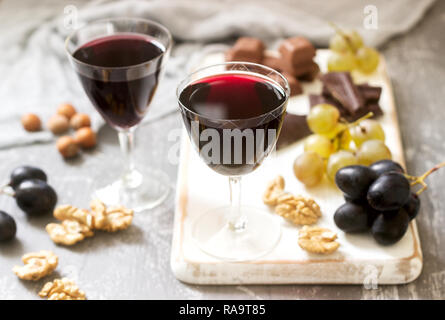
(119, 63)
(233, 113)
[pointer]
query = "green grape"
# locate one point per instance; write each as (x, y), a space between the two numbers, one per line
(373, 150)
(309, 168)
(339, 44)
(323, 118)
(367, 130)
(319, 144)
(335, 131)
(345, 140)
(354, 38)
(346, 41)
(341, 62)
(339, 160)
(367, 59)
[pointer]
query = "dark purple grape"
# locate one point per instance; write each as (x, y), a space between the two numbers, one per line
(372, 214)
(412, 207)
(23, 173)
(383, 166)
(8, 227)
(351, 217)
(355, 180)
(388, 230)
(35, 197)
(389, 192)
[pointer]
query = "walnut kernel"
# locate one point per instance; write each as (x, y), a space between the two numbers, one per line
(80, 120)
(67, 147)
(85, 137)
(37, 265)
(66, 110)
(68, 232)
(62, 289)
(274, 189)
(31, 122)
(298, 209)
(68, 212)
(58, 124)
(110, 219)
(317, 240)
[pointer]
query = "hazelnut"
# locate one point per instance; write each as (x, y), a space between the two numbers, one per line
(85, 137)
(58, 124)
(31, 122)
(80, 120)
(67, 147)
(67, 110)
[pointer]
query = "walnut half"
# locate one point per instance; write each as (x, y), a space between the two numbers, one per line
(298, 209)
(62, 289)
(37, 265)
(317, 240)
(68, 232)
(69, 212)
(274, 189)
(110, 219)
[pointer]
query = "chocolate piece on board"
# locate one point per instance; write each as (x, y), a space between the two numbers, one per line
(342, 88)
(312, 74)
(294, 128)
(370, 107)
(294, 84)
(370, 93)
(246, 49)
(295, 70)
(297, 50)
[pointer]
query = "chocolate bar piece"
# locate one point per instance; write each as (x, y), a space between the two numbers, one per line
(295, 70)
(312, 74)
(297, 51)
(341, 87)
(370, 93)
(294, 128)
(246, 49)
(370, 107)
(294, 84)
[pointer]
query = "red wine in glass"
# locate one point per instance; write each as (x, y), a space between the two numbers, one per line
(122, 97)
(235, 101)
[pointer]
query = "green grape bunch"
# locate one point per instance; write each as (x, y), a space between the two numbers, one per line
(335, 143)
(349, 53)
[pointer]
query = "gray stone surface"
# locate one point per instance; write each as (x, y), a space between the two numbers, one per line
(134, 264)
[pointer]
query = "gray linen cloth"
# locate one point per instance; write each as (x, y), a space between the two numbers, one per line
(36, 75)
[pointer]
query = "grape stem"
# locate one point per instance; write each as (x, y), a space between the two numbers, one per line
(6, 189)
(421, 179)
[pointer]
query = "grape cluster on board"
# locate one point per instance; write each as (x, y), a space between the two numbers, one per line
(349, 53)
(32, 193)
(378, 198)
(336, 144)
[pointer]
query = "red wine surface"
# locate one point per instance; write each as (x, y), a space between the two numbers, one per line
(250, 103)
(121, 90)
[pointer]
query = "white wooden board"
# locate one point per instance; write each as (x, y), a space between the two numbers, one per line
(359, 260)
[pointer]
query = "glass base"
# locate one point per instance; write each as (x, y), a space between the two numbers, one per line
(214, 236)
(139, 190)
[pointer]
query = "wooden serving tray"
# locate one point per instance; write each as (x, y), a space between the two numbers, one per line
(359, 260)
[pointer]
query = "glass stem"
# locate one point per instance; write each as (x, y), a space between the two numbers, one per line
(237, 221)
(131, 178)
